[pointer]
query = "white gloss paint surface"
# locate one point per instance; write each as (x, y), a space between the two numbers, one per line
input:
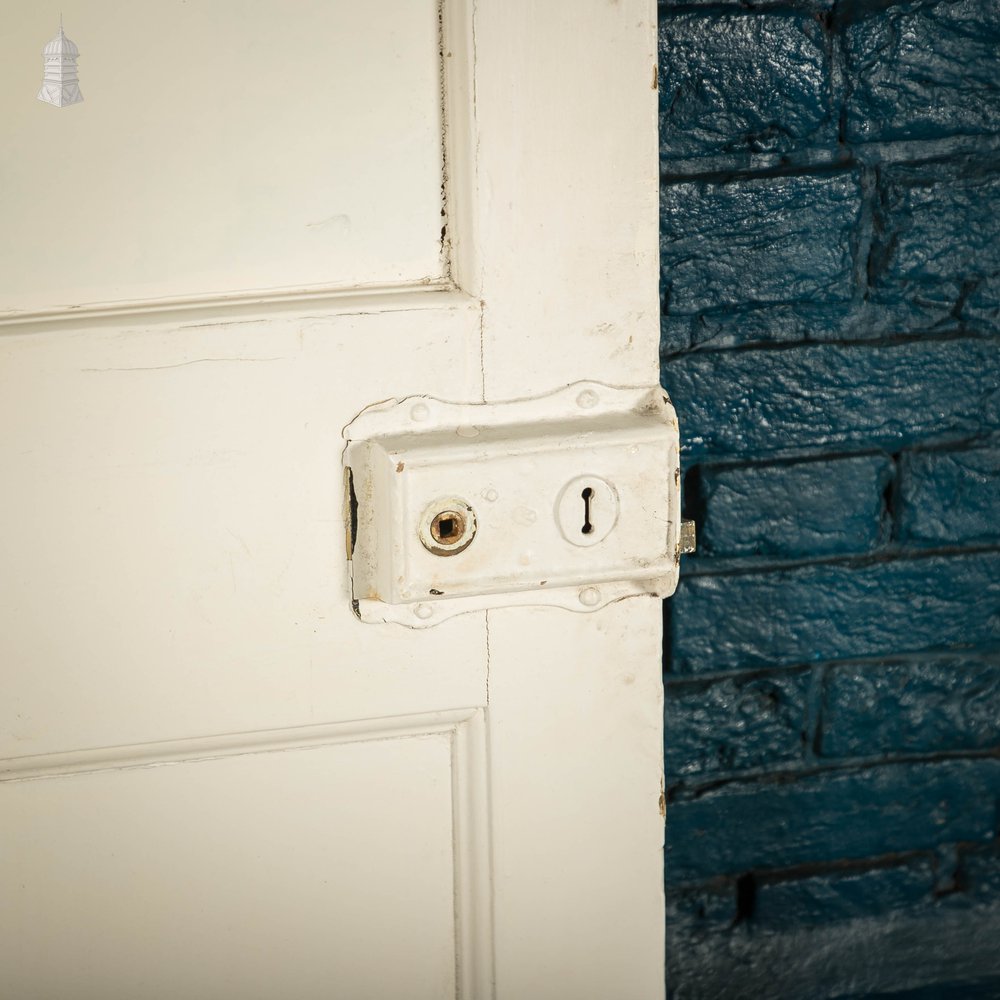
(252, 876)
(222, 147)
(215, 781)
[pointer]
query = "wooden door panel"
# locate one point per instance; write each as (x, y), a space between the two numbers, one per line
(178, 564)
(220, 146)
(290, 871)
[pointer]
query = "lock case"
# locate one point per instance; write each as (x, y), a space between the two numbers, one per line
(570, 500)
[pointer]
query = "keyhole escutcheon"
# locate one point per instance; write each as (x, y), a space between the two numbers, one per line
(601, 510)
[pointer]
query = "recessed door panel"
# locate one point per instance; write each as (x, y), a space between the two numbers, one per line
(220, 147)
(290, 873)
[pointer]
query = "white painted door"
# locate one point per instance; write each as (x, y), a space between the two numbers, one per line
(263, 217)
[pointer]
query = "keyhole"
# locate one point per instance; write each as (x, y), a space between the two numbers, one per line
(587, 526)
(597, 520)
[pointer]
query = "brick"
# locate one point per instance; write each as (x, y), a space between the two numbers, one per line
(765, 241)
(824, 817)
(767, 322)
(935, 258)
(736, 82)
(916, 707)
(701, 911)
(840, 896)
(950, 497)
(830, 612)
(933, 264)
(733, 724)
(978, 876)
(922, 71)
(787, 903)
(827, 396)
(787, 511)
(903, 943)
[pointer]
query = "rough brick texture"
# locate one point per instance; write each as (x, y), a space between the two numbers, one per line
(922, 70)
(811, 399)
(948, 497)
(726, 91)
(801, 509)
(934, 262)
(767, 259)
(835, 611)
(732, 245)
(753, 720)
(833, 897)
(830, 289)
(842, 814)
(916, 706)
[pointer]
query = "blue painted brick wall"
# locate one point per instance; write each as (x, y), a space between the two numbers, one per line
(801, 509)
(830, 278)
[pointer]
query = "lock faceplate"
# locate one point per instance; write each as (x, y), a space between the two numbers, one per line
(571, 499)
